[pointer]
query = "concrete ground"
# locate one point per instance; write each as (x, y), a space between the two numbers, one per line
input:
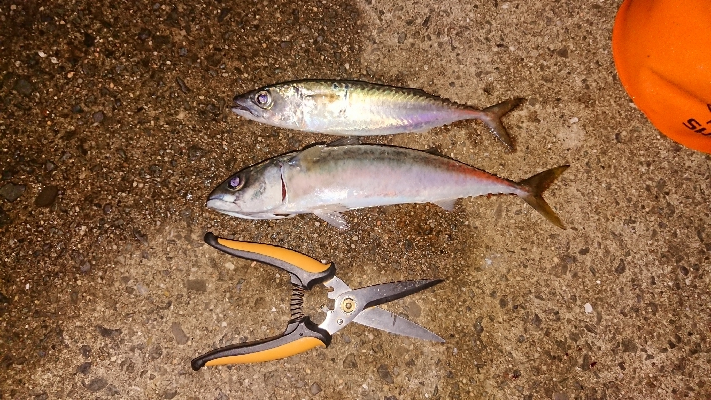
(114, 127)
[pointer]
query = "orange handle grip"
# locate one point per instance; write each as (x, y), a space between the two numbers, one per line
(301, 335)
(283, 351)
(292, 257)
(305, 271)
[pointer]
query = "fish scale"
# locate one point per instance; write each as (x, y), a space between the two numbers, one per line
(379, 103)
(356, 108)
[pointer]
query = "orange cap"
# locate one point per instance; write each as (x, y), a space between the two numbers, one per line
(662, 51)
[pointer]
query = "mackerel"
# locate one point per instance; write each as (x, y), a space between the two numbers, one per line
(328, 179)
(355, 108)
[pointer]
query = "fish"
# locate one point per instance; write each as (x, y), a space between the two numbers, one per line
(326, 180)
(357, 108)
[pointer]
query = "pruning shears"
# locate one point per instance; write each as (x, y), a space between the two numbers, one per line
(301, 334)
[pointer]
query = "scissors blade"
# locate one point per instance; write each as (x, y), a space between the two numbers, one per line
(376, 317)
(376, 295)
(339, 287)
(351, 303)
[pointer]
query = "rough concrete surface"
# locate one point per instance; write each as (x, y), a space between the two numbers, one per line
(114, 127)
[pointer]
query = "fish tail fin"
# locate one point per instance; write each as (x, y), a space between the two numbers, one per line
(534, 187)
(491, 117)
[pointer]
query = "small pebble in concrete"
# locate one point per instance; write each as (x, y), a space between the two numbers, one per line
(141, 289)
(195, 153)
(47, 196)
(23, 87)
(98, 116)
(113, 390)
(12, 192)
(350, 362)
(170, 394)
(413, 310)
(196, 285)
(144, 34)
(536, 320)
(109, 333)
(478, 327)
(86, 267)
(155, 352)
(178, 333)
(315, 389)
(588, 308)
(183, 87)
(629, 346)
(585, 364)
(89, 39)
(385, 375)
(96, 384)
(84, 367)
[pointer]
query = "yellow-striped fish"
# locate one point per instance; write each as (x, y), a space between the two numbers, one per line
(328, 179)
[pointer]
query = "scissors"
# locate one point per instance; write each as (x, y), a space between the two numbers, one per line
(301, 334)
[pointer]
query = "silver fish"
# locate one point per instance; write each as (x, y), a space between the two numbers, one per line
(328, 179)
(354, 108)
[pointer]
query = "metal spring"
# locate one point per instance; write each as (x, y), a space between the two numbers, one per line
(297, 300)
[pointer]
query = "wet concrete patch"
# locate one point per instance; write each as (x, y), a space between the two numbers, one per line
(100, 128)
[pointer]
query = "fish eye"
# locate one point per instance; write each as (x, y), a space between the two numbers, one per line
(235, 183)
(263, 99)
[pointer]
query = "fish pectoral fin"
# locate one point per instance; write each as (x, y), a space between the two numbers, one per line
(333, 218)
(345, 141)
(446, 204)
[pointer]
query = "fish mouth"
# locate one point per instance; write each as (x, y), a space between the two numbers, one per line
(240, 109)
(241, 106)
(223, 207)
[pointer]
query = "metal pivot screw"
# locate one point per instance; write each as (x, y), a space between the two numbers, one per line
(348, 305)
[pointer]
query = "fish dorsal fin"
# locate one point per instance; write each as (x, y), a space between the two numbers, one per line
(307, 157)
(435, 151)
(333, 218)
(345, 141)
(446, 204)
